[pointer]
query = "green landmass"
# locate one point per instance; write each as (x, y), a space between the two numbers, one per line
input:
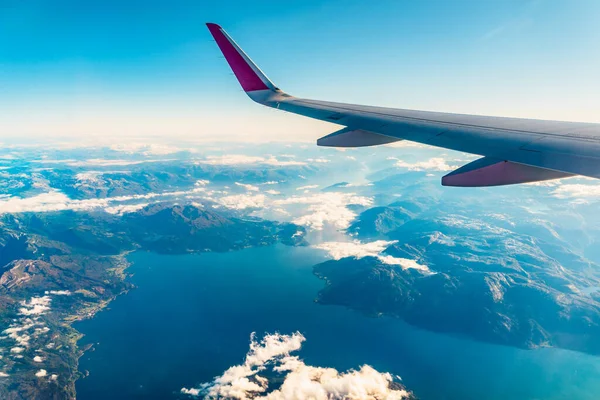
(62, 267)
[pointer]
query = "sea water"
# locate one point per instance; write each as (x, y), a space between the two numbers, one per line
(191, 317)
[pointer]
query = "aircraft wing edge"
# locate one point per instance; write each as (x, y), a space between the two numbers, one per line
(554, 149)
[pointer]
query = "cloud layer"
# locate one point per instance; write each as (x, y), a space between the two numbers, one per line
(313, 210)
(577, 190)
(271, 356)
(325, 208)
(356, 249)
(55, 200)
(433, 164)
(240, 159)
(29, 329)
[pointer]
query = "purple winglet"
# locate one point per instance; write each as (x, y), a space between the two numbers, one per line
(249, 80)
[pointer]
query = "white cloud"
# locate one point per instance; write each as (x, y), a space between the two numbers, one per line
(97, 162)
(35, 306)
(19, 332)
(88, 177)
(250, 188)
(325, 208)
(51, 201)
(318, 160)
(406, 143)
(58, 201)
(192, 392)
(356, 249)
(577, 190)
(243, 201)
(41, 373)
(307, 187)
(110, 163)
(148, 149)
(273, 192)
(124, 209)
(38, 359)
(27, 325)
(299, 381)
(314, 210)
(3, 374)
(58, 292)
(240, 159)
(433, 164)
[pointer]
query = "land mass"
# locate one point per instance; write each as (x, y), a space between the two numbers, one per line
(487, 280)
(60, 267)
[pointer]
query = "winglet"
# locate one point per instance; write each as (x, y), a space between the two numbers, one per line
(248, 74)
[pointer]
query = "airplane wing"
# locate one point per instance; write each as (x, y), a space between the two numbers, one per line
(514, 150)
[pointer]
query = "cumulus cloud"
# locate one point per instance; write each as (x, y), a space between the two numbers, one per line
(19, 333)
(100, 162)
(307, 187)
(433, 164)
(248, 187)
(318, 160)
(124, 209)
(243, 201)
(51, 201)
(311, 210)
(356, 249)
(325, 208)
(148, 149)
(577, 190)
(58, 292)
(299, 381)
(41, 373)
(35, 306)
(97, 162)
(87, 177)
(58, 201)
(192, 392)
(240, 159)
(27, 324)
(405, 144)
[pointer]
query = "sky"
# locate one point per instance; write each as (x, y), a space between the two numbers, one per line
(117, 68)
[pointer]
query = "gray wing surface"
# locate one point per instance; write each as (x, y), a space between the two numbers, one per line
(514, 150)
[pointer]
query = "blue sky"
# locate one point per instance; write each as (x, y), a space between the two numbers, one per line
(103, 68)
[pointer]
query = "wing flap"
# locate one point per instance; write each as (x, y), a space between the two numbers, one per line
(488, 171)
(349, 137)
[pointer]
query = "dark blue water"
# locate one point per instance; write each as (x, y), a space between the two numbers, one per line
(191, 316)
